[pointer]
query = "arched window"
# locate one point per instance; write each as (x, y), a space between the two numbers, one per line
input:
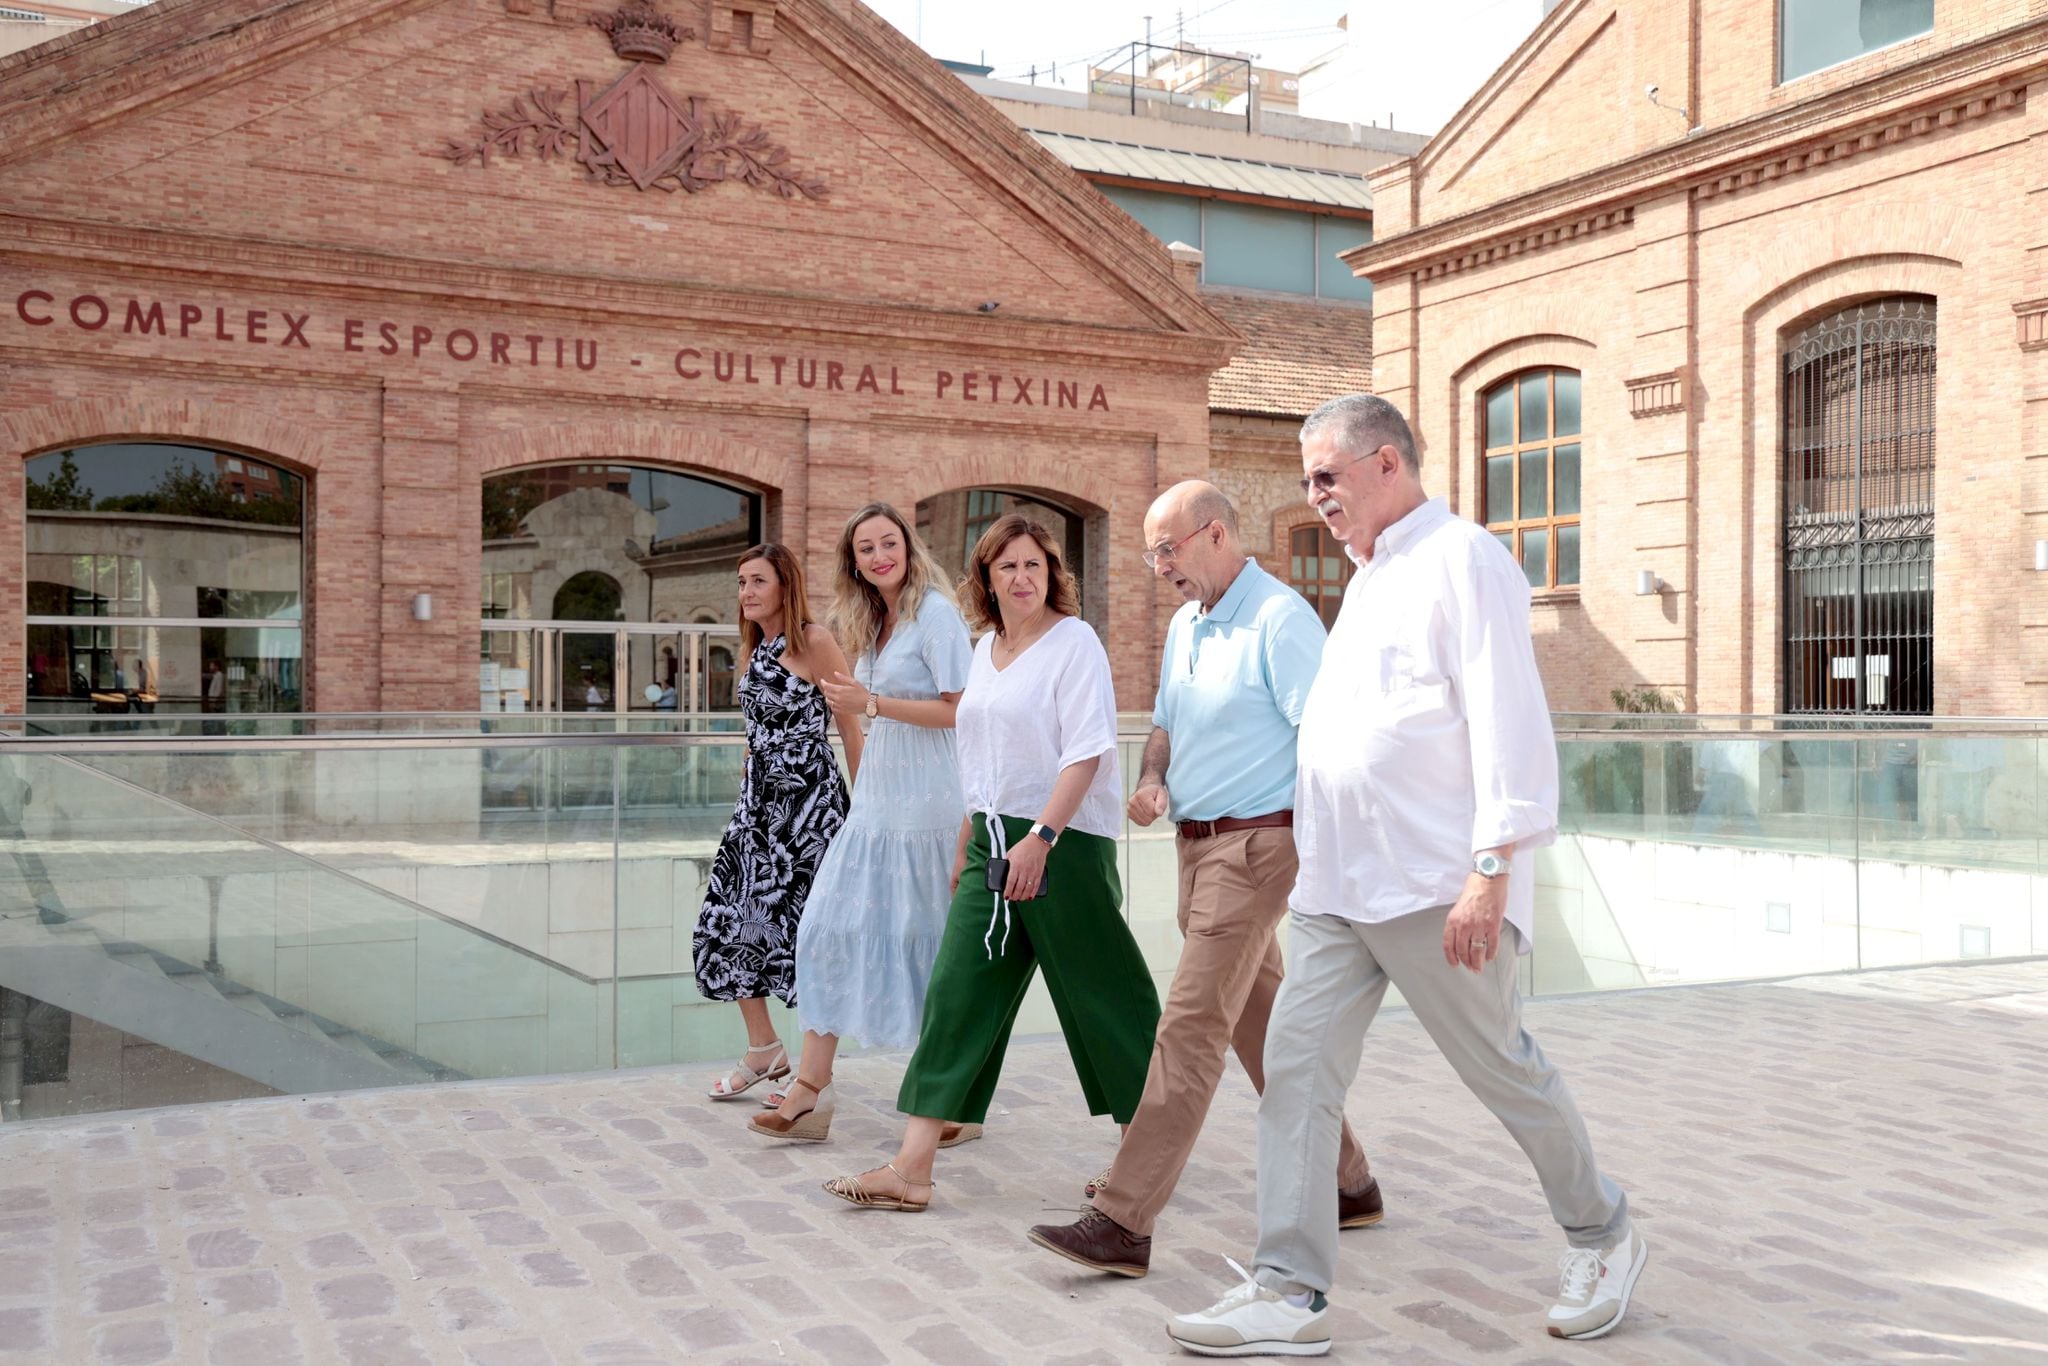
(1531, 473)
(164, 577)
(1859, 437)
(1318, 569)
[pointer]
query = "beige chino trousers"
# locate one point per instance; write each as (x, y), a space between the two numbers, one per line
(1233, 895)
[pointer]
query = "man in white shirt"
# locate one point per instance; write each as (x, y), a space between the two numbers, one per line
(1428, 778)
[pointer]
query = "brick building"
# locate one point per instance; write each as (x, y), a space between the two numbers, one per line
(1731, 317)
(744, 264)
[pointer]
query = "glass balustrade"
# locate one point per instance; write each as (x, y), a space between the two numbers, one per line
(317, 902)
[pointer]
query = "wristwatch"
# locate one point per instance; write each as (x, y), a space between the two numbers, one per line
(874, 706)
(1489, 864)
(1046, 833)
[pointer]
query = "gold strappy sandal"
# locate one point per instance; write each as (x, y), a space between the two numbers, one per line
(850, 1189)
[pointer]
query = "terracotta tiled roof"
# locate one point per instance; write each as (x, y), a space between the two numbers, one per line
(1297, 352)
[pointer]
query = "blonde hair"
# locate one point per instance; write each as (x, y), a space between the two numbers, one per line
(977, 595)
(858, 607)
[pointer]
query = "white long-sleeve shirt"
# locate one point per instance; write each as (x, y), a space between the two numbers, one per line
(1426, 737)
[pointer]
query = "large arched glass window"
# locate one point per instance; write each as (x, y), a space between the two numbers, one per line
(645, 557)
(1530, 473)
(164, 577)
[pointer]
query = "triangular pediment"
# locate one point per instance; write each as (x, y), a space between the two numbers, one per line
(793, 149)
(1570, 99)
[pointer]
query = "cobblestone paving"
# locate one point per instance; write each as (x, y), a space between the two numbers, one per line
(1836, 1169)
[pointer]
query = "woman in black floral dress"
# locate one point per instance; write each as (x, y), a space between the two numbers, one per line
(791, 803)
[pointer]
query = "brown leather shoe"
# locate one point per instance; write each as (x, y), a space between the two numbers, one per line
(1361, 1209)
(1097, 1241)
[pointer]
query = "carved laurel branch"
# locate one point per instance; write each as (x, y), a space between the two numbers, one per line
(533, 121)
(725, 148)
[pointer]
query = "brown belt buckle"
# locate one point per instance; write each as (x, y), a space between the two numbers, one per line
(1198, 830)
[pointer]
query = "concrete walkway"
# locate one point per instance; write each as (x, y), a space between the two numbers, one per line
(1834, 1169)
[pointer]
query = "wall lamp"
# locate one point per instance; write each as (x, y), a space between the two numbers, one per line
(1648, 585)
(2041, 557)
(423, 607)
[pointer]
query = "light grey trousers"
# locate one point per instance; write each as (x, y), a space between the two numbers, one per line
(1337, 974)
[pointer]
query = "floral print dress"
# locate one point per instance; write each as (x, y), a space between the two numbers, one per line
(792, 802)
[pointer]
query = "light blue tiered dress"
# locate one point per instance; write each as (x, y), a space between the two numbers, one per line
(877, 907)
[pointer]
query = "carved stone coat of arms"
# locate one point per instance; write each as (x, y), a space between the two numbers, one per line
(635, 131)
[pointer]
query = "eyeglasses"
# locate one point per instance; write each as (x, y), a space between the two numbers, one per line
(1153, 557)
(1323, 480)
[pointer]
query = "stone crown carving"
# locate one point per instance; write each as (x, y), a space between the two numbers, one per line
(642, 33)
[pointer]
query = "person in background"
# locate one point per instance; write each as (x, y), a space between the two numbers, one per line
(878, 905)
(791, 803)
(1428, 778)
(1240, 656)
(1034, 868)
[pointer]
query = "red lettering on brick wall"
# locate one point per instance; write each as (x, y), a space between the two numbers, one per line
(469, 339)
(867, 382)
(1098, 399)
(21, 307)
(806, 374)
(352, 334)
(295, 331)
(139, 321)
(945, 382)
(255, 325)
(833, 371)
(220, 325)
(688, 353)
(420, 337)
(581, 363)
(389, 331)
(501, 348)
(95, 301)
(189, 316)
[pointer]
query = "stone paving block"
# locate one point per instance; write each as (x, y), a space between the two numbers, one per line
(618, 1217)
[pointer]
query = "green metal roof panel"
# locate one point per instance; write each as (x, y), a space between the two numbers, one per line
(1236, 174)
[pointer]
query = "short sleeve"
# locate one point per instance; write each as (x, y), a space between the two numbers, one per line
(1085, 700)
(1292, 643)
(1165, 664)
(945, 648)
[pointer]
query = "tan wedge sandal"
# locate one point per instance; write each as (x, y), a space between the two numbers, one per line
(953, 1135)
(850, 1189)
(812, 1126)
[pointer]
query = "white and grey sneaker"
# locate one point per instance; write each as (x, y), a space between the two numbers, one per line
(1252, 1321)
(1593, 1291)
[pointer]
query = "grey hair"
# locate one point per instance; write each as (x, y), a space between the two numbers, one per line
(1364, 423)
(1208, 505)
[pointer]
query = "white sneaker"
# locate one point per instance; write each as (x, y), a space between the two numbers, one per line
(1593, 1291)
(1252, 1321)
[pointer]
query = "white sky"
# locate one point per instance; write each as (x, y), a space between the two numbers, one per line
(1436, 54)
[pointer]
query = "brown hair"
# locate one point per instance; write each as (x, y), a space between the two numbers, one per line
(978, 599)
(857, 605)
(796, 604)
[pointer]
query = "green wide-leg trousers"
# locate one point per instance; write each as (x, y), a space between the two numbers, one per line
(1108, 1007)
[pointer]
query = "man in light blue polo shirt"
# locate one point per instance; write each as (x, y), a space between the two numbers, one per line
(1240, 656)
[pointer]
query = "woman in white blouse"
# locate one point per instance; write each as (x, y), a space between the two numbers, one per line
(1034, 872)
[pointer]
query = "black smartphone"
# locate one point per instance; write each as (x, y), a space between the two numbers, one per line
(999, 876)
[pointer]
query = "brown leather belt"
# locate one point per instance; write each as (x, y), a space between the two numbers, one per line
(1201, 830)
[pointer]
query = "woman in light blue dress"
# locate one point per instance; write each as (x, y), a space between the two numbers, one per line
(878, 904)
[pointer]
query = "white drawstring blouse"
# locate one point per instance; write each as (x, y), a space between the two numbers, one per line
(1018, 727)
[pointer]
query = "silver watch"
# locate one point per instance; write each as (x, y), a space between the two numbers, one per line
(1489, 864)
